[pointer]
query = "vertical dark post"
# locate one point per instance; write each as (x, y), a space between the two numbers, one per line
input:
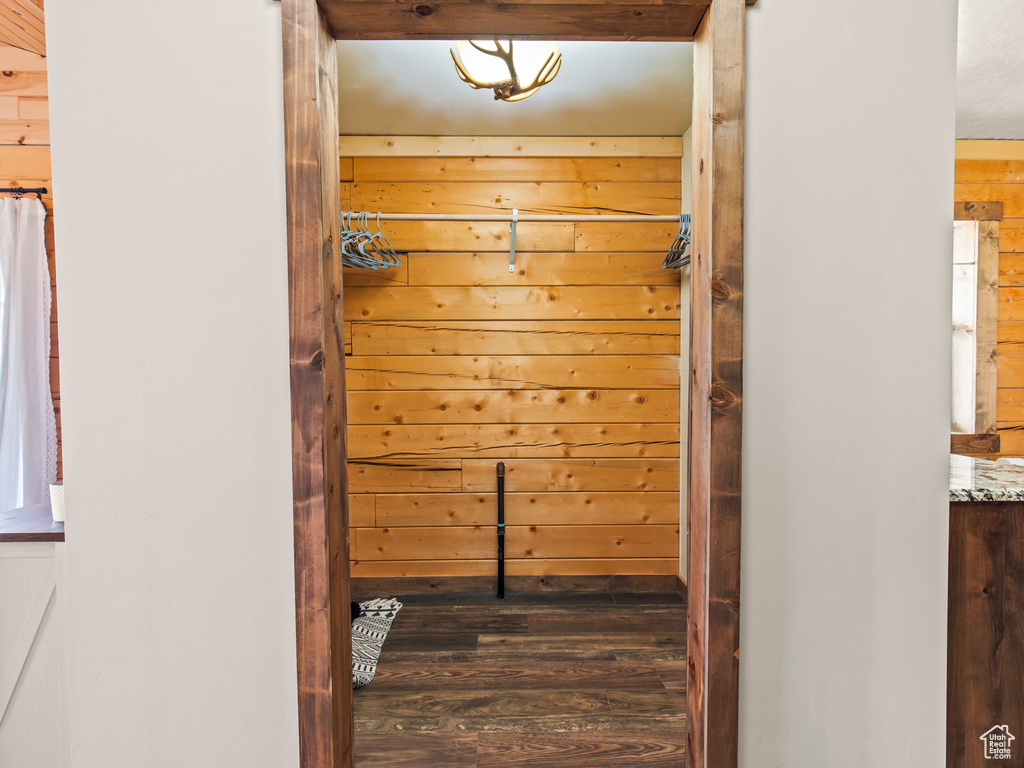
(716, 391)
(501, 530)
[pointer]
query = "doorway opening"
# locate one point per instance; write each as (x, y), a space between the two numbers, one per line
(318, 344)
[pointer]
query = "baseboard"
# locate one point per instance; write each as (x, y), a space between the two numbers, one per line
(681, 588)
(377, 586)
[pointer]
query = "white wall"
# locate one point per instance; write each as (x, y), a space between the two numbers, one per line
(849, 159)
(168, 168)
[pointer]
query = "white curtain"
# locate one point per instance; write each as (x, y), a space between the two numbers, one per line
(28, 432)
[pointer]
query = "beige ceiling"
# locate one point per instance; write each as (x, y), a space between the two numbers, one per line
(409, 88)
(990, 70)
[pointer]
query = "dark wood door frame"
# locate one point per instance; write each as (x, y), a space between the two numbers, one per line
(317, 362)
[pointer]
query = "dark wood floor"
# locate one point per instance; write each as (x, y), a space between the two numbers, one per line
(577, 680)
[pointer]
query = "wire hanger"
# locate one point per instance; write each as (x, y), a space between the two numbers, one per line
(363, 249)
(678, 255)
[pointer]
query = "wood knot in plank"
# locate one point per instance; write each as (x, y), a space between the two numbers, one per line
(719, 290)
(317, 361)
(423, 10)
(721, 396)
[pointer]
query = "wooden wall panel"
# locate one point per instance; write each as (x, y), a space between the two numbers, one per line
(25, 162)
(540, 269)
(566, 369)
(993, 171)
(602, 508)
(540, 337)
(516, 372)
(505, 441)
(515, 406)
(507, 302)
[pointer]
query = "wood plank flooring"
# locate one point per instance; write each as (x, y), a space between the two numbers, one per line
(545, 680)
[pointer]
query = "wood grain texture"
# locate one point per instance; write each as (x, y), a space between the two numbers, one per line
(609, 749)
(21, 25)
(416, 750)
(510, 146)
(529, 337)
(970, 445)
(401, 372)
(478, 236)
(521, 542)
(1010, 195)
(530, 197)
(531, 574)
(14, 59)
(967, 149)
(601, 508)
(985, 626)
(515, 406)
(715, 423)
(24, 132)
(1011, 236)
(1010, 406)
(452, 19)
(590, 475)
(362, 511)
(996, 171)
(393, 276)
(504, 441)
(317, 389)
(405, 476)
(468, 360)
(641, 236)
(977, 211)
(412, 676)
(986, 331)
(563, 302)
(542, 269)
(578, 717)
(503, 169)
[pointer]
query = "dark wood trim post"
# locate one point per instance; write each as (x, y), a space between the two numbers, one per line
(316, 349)
(716, 380)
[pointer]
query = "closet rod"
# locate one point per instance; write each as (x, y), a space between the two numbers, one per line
(523, 217)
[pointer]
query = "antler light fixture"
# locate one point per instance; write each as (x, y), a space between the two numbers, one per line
(494, 65)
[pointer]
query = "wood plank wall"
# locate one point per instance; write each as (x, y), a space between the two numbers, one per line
(567, 369)
(993, 171)
(25, 162)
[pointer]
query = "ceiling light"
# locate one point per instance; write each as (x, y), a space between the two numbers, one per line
(495, 65)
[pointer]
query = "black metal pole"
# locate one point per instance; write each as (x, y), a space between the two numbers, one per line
(501, 530)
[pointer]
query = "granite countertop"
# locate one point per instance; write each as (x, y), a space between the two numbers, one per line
(985, 480)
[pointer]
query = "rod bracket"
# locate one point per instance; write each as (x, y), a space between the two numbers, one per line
(512, 242)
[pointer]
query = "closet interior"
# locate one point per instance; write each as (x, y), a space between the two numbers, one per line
(557, 359)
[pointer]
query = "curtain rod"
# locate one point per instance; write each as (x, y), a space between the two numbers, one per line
(523, 217)
(37, 191)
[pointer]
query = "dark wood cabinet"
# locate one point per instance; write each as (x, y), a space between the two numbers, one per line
(985, 670)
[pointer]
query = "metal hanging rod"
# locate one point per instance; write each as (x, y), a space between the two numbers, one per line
(677, 256)
(527, 217)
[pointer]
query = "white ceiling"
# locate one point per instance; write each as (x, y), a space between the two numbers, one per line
(990, 70)
(635, 89)
(409, 88)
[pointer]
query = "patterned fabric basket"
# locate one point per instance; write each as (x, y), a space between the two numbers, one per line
(368, 634)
